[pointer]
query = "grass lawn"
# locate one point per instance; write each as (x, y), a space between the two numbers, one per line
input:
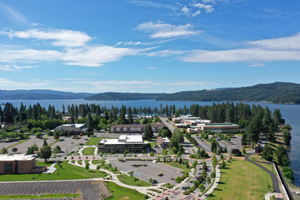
(129, 181)
(152, 143)
(48, 163)
(95, 140)
(257, 157)
(88, 151)
(119, 192)
(67, 172)
(242, 180)
(42, 196)
(177, 165)
(96, 162)
(105, 166)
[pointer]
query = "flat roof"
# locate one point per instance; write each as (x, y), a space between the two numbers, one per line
(76, 125)
(125, 139)
(13, 157)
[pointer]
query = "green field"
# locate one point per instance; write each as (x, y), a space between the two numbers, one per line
(177, 165)
(48, 163)
(129, 181)
(42, 196)
(67, 172)
(96, 140)
(88, 151)
(242, 180)
(119, 192)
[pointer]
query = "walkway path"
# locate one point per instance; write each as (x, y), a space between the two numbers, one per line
(50, 169)
(273, 176)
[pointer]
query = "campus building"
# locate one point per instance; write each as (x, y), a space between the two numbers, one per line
(132, 143)
(74, 129)
(163, 142)
(217, 128)
(135, 128)
(19, 164)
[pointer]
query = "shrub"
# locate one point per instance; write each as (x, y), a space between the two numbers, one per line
(152, 153)
(208, 180)
(178, 179)
(201, 187)
(213, 175)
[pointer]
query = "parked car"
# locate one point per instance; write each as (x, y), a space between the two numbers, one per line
(154, 181)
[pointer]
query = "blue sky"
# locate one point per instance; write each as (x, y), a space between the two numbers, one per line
(147, 46)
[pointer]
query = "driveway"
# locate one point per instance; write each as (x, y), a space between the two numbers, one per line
(167, 124)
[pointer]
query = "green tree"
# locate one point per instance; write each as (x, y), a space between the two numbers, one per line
(4, 151)
(150, 180)
(98, 167)
(130, 120)
(87, 166)
(56, 135)
(174, 150)
(38, 134)
(45, 152)
(45, 142)
(14, 149)
(201, 187)
(208, 180)
(149, 132)
(90, 122)
(177, 113)
(267, 153)
(287, 137)
(282, 156)
(164, 152)
(151, 153)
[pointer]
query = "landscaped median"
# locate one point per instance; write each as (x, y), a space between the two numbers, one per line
(132, 181)
(42, 196)
(88, 151)
(64, 171)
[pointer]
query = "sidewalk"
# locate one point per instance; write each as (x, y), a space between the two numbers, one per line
(50, 169)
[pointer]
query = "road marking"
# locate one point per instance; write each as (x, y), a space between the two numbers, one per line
(54, 192)
(4, 193)
(24, 192)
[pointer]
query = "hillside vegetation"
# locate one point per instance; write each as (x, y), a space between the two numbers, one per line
(278, 92)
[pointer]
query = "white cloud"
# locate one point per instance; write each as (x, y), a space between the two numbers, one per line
(185, 10)
(208, 1)
(119, 43)
(132, 43)
(164, 53)
(15, 67)
(160, 30)
(96, 56)
(35, 24)
(61, 37)
(291, 42)
(150, 67)
(241, 55)
(208, 8)
(198, 12)
(13, 14)
(10, 84)
(153, 4)
(9, 55)
(257, 65)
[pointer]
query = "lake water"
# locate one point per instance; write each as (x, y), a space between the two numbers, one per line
(291, 113)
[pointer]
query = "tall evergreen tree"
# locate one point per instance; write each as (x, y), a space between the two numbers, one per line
(130, 120)
(90, 122)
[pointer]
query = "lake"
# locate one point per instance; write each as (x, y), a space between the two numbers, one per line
(291, 113)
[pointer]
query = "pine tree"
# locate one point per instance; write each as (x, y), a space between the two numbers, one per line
(130, 120)
(90, 122)
(148, 132)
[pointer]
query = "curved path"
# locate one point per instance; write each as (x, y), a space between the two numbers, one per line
(273, 176)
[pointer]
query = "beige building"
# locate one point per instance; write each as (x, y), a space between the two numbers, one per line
(19, 164)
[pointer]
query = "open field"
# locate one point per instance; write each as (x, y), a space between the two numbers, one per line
(242, 180)
(88, 151)
(66, 172)
(256, 157)
(119, 192)
(130, 181)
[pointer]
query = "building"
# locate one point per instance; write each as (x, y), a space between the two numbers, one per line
(236, 152)
(163, 142)
(135, 128)
(183, 118)
(195, 122)
(182, 125)
(74, 129)
(66, 118)
(19, 164)
(220, 127)
(132, 143)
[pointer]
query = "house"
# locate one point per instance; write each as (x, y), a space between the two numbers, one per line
(220, 127)
(74, 129)
(163, 142)
(132, 143)
(135, 128)
(236, 152)
(66, 118)
(19, 164)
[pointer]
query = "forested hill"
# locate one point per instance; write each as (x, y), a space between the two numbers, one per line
(115, 96)
(40, 95)
(277, 92)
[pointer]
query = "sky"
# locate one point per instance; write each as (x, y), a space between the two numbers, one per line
(147, 46)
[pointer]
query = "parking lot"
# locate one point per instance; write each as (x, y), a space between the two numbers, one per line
(151, 171)
(69, 145)
(89, 189)
(22, 148)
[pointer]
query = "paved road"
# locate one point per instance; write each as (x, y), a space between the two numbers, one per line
(273, 176)
(202, 144)
(89, 189)
(167, 124)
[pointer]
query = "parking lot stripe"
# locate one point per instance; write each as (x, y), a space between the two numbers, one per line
(54, 192)
(4, 193)
(24, 192)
